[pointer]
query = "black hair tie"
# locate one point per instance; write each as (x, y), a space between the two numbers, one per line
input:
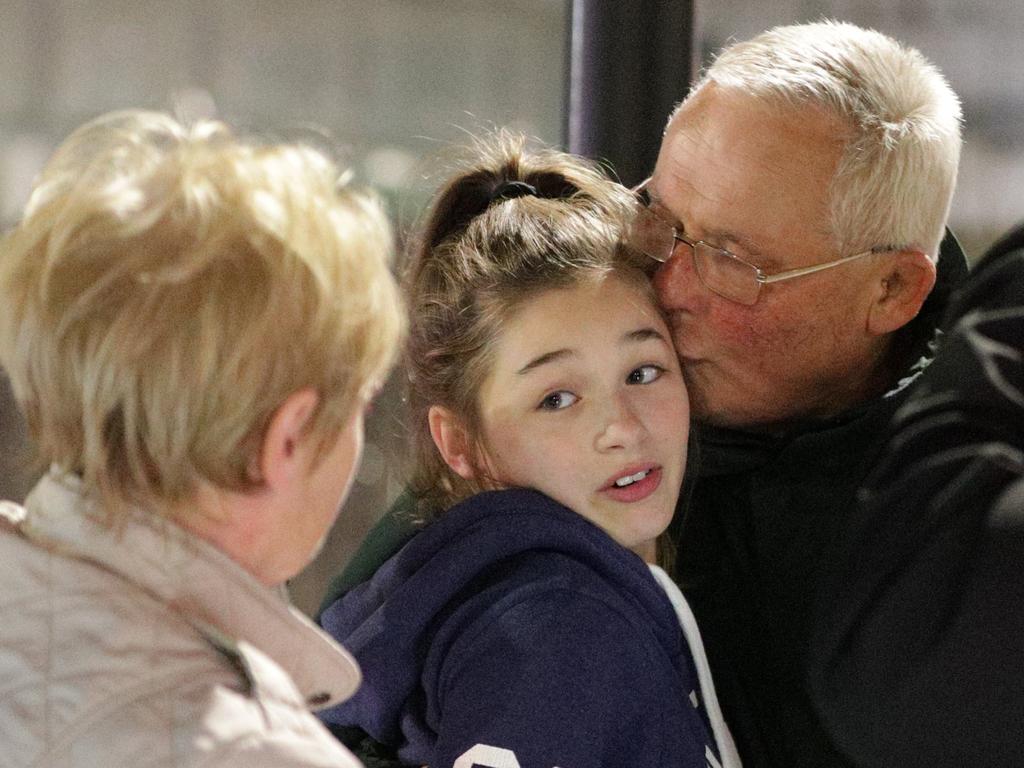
(509, 190)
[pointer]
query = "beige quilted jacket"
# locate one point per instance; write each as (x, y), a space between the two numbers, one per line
(150, 648)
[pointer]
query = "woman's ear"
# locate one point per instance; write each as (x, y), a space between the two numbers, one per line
(282, 456)
(908, 278)
(452, 440)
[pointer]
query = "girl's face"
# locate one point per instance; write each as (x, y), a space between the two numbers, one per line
(585, 402)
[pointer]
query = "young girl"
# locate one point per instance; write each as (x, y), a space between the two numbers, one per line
(524, 626)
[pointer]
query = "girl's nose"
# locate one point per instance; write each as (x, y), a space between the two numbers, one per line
(622, 427)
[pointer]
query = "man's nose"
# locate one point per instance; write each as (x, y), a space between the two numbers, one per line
(621, 426)
(676, 282)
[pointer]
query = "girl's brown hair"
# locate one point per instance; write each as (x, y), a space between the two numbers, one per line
(511, 224)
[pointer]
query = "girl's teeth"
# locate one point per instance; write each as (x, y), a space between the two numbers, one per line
(622, 482)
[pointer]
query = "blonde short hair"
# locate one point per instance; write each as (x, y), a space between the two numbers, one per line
(895, 179)
(170, 285)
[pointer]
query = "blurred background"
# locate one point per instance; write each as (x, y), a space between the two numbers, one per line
(390, 87)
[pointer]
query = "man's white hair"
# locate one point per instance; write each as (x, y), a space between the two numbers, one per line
(895, 179)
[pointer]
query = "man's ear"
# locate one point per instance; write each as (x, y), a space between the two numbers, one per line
(452, 440)
(905, 283)
(282, 457)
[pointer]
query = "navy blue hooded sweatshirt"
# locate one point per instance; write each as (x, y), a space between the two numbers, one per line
(514, 627)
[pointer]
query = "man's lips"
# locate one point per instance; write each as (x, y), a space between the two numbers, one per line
(637, 490)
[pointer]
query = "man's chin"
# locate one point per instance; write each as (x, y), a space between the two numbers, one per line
(739, 414)
(716, 411)
(717, 405)
(703, 408)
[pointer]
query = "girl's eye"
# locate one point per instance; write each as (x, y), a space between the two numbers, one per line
(556, 401)
(645, 374)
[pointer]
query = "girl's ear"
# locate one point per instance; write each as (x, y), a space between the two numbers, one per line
(452, 440)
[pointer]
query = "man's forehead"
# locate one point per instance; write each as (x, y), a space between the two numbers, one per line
(692, 113)
(701, 132)
(733, 169)
(732, 136)
(696, 165)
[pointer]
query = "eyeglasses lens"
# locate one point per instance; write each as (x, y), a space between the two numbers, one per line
(725, 275)
(650, 235)
(718, 270)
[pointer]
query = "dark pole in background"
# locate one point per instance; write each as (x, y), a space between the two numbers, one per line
(630, 63)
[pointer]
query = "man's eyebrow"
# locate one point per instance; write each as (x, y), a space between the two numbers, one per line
(547, 357)
(728, 236)
(663, 212)
(656, 202)
(712, 235)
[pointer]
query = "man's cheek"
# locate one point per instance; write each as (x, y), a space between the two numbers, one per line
(735, 331)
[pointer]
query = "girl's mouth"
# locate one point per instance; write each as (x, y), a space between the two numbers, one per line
(634, 487)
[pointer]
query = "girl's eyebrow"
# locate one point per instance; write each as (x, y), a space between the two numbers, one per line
(639, 335)
(547, 357)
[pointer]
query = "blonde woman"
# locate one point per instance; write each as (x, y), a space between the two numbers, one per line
(192, 325)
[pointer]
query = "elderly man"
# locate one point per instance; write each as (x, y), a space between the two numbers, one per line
(803, 189)
(798, 204)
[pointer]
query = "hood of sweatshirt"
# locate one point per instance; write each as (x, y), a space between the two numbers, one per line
(440, 583)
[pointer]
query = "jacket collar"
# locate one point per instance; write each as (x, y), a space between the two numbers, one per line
(193, 578)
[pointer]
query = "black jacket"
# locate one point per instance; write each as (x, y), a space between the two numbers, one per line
(919, 655)
(764, 512)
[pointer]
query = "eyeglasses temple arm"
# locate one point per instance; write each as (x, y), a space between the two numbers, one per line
(791, 273)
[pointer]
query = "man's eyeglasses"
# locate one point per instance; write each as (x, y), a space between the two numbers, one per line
(721, 271)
